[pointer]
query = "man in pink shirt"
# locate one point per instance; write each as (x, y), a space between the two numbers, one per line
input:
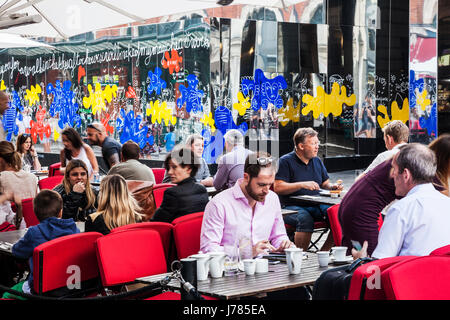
(247, 210)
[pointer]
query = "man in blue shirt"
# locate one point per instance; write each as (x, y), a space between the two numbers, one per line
(301, 172)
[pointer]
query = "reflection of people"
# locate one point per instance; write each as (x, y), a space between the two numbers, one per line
(367, 118)
(169, 139)
(187, 196)
(418, 223)
(230, 167)
(301, 172)
(396, 134)
(25, 147)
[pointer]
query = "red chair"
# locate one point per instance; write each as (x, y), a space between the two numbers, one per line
(335, 226)
(319, 226)
(50, 182)
(57, 260)
(165, 232)
(28, 213)
(442, 251)
(125, 256)
(158, 192)
(423, 278)
(366, 279)
(186, 233)
(159, 174)
(53, 169)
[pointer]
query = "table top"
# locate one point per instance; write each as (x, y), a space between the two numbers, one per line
(319, 199)
(241, 285)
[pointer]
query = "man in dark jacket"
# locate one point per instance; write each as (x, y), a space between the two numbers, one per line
(187, 196)
(48, 209)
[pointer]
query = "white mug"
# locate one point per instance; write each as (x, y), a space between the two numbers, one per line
(324, 258)
(216, 264)
(262, 265)
(339, 253)
(294, 257)
(202, 265)
(249, 266)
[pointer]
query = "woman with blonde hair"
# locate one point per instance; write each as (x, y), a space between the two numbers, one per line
(79, 197)
(116, 206)
(441, 148)
(24, 146)
(12, 177)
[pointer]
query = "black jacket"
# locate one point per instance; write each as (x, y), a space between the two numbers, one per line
(184, 198)
(74, 204)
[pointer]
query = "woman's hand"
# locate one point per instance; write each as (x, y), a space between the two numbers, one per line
(79, 187)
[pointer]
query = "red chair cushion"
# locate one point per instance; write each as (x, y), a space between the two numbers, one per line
(158, 192)
(159, 174)
(28, 213)
(336, 229)
(445, 250)
(50, 182)
(187, 236)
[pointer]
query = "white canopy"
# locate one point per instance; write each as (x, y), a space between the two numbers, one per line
(15, 41)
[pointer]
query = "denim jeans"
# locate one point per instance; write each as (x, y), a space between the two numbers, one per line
(306, 216)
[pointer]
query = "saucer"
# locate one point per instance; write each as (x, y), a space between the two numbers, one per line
(348, 259)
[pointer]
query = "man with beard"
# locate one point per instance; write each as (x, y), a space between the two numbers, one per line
(247, 210)
(97, 136)
(301, 172)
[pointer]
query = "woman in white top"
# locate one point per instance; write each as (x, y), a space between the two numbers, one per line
(75, 148)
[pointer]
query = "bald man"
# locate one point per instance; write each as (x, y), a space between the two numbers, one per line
(4, 99)
(96, 134)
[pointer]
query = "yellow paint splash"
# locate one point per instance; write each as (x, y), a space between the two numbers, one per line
(32, 95)
(289, 113)
(396, 113)
(159, 112)
(327, 103)
(96, 99)
(55, 134)
(422, 101)
(2, 85)
(208, 121)
(243, 104)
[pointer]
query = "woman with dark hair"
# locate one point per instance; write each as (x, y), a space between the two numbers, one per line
(79, 197)
(441, 148)
(75, 148)
(187, 196)
(24, 147)
(12, 178)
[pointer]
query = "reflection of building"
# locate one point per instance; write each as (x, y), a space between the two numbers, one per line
(365, 46)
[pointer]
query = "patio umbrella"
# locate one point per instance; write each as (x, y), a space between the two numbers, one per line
(66, 18)
(16, 41)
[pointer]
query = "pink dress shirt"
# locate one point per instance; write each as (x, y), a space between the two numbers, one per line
(228, 217)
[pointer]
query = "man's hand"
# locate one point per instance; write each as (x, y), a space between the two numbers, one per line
(79, 187)
(310, 185)
(284, 245)
(361, 253)
(263, 247)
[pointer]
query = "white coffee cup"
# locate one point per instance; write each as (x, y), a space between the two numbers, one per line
(294, 257)
(324, 258)
(339, 253)
(202, 265)
(249, 266)
(216, 264)
(262, 265)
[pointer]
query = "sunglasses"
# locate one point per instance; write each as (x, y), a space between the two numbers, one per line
(263, 161)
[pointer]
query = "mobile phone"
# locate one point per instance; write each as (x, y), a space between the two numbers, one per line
(356, 245)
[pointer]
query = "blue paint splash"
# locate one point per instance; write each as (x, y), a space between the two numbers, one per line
(64, 104)
(131, 131)
(156, 83)
(265, 90)
(191, 95)
(11, 115)
(429, 122)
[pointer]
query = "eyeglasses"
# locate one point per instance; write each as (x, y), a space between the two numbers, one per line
(263, 161)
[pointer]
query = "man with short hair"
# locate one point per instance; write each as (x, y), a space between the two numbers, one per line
(4, 105)
(248, 209)
(230, 167)
(301, 172)
(395, 135)
(130, 168)
(418, 223)
(96, 134)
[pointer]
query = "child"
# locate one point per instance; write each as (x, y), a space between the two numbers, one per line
(48, 206)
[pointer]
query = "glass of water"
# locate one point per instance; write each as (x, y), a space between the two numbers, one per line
(232, 260)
